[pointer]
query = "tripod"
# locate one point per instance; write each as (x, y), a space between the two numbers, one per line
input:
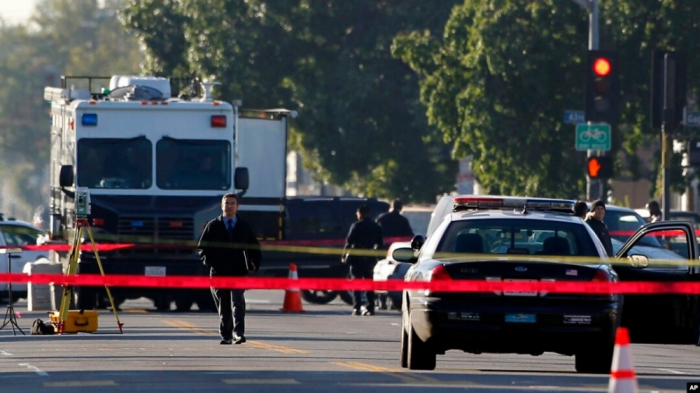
(10, 316)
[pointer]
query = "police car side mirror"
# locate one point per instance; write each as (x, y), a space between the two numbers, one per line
(417, 242)
(637, 260)
(404, 254)
(241, 181)
(65, 177)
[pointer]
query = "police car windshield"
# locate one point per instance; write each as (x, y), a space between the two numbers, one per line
(185, 164)
(508, 236)
(114, 163)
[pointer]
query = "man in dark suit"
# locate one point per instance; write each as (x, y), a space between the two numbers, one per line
(393, 224)
(228, 246)
(365, 234)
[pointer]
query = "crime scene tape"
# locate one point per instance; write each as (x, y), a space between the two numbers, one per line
(541, 287)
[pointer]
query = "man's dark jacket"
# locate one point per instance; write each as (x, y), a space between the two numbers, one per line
(225, 256)
(394, 224)
(364, 235)
(602, 231)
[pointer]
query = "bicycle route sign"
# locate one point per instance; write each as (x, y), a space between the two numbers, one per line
(593, 137)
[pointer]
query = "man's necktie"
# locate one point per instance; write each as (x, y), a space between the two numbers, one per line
(229, 227)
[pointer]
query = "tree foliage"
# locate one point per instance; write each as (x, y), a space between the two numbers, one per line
(64, 37)
(361, 125)
(497, 83)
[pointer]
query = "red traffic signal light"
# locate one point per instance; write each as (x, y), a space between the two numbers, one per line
(600, 167)
(601, 66)
(602, 87)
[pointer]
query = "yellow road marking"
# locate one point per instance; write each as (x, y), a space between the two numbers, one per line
(135, 310)
(394, 372)
(260, 381)
(180, 324)
(78, 384)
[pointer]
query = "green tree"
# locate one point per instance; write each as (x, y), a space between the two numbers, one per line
(499, 80)
(63, 37)
(361, 125)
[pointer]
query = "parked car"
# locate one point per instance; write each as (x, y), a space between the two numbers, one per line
(391, 269)
(18, 234)
(462, 247)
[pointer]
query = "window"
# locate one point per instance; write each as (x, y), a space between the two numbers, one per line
(504, 236)
(18, 236)
(186, 164)
(114, 163)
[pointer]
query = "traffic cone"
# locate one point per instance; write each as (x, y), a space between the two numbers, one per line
(622, 376)
(292, 297)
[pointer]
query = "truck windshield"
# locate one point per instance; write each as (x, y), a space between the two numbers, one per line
(186, 164)
(114, 163)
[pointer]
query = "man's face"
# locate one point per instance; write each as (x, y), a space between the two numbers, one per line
(599, 213)
(229, 206)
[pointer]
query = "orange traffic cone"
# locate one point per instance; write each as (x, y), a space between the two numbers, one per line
(292, 297)
(622, 376)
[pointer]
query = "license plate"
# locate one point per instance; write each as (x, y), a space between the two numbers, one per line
(155, 271)
(518, 293)
(521, 318)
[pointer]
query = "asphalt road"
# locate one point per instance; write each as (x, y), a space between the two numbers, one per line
(323, 349)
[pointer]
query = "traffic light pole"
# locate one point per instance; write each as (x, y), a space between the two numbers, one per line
(593, 186)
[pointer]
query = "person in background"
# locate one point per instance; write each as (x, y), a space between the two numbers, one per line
(595, 221)
(228, 246)
(654, 211)
(364, 234)
(581, 209)
(393, 224)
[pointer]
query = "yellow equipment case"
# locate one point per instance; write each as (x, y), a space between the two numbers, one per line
(77, 321)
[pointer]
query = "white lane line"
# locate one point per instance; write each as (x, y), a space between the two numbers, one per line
(394, 324)
(35, 369)
(5, 353)
(671, 371)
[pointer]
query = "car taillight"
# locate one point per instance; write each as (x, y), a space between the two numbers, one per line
(440, 273)
(601, 276)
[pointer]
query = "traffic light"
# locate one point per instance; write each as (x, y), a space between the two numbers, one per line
(602, 86)
(600, 167)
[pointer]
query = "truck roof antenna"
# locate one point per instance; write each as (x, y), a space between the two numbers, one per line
(207, 90)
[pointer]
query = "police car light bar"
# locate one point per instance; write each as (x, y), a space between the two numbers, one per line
(495, 202)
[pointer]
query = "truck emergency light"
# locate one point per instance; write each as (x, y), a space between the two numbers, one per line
(89, 119)
(218, 121)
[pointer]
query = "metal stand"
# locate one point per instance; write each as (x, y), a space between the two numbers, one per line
(10, 316)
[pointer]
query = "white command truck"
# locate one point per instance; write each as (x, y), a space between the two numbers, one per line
(156, 168)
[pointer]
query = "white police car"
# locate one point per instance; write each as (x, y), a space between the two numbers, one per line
(496, 238)
(18, 234)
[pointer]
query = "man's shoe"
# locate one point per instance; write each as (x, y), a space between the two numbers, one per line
(355, 312)
(367, 313)
(239, 339)
(225, 342)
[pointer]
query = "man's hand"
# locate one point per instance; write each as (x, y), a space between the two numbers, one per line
(343, 260)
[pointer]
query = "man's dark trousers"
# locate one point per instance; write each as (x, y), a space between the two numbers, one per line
(362, 270)
(230, 320)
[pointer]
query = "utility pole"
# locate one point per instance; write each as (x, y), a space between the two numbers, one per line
(594, 189)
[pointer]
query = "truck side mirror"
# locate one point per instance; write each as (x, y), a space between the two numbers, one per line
(241, 180)
(65, 177)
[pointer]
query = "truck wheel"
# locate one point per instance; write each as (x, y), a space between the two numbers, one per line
(318, 297)
(183, 304)
(346, 296)
(86, 298)
(162, 302)
(205, 302)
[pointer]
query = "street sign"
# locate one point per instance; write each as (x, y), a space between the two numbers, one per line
(574, 117)
(692, 119)
(593, 137)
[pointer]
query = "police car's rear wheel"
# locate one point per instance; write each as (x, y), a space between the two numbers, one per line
(318, 296)
(420, 355)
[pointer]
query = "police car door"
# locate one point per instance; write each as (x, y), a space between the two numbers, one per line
(652, 255)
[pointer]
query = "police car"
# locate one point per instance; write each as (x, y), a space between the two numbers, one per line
(496, 238)
(18, 234)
